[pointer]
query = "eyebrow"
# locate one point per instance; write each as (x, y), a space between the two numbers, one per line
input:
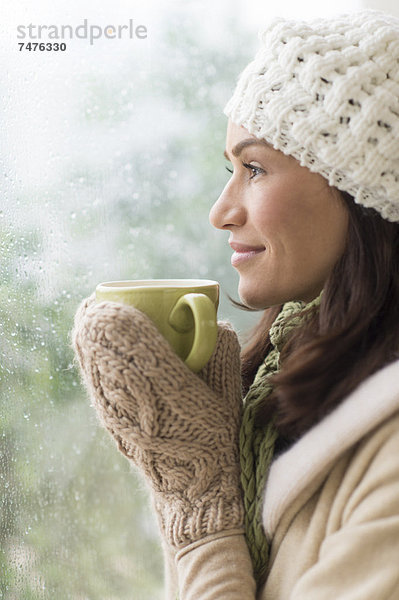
(238, 148)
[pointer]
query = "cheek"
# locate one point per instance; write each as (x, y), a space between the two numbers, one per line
(281, 219)
(318, 235)
(311, 227)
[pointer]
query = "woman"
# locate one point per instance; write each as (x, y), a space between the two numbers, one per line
(293, 494)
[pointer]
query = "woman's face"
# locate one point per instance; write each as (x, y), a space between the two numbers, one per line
(287, 226)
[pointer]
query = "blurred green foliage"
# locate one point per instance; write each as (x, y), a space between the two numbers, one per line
(75, 521)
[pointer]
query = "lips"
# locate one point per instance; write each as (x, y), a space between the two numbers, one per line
(244, 252)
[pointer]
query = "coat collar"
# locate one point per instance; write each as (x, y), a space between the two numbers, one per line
(375, 400)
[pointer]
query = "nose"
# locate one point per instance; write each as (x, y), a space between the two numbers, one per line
(227, 212)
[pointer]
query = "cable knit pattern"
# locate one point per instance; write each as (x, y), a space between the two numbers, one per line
(178, 428)
(327, 93)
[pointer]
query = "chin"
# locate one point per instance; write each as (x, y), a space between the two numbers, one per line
(260, 299)
(254, 298)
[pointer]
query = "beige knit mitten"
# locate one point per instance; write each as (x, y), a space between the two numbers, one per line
(180, 429)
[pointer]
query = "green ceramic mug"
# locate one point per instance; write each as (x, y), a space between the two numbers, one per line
(184, 311)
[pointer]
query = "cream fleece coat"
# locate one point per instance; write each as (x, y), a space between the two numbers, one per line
(331, 514)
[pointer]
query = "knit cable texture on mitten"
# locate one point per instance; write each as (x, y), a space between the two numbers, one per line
(180, 429)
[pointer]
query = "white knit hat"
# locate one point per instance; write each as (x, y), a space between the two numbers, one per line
(327, 93)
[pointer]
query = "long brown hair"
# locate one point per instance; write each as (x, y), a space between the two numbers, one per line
(354, 333)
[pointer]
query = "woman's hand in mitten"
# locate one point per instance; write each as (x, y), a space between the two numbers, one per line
(180, 429)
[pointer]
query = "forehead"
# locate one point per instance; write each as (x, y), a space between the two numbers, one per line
(236, 133)
(238, 138)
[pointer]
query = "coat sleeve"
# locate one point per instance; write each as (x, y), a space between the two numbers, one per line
(360, 558)
(216, 567)
(170, 573)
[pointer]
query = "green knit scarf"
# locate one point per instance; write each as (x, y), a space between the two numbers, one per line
(257, 443)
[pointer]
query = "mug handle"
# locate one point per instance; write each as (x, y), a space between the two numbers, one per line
(203, 310)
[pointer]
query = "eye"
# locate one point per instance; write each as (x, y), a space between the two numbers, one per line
(254, 169)
(229, 170)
